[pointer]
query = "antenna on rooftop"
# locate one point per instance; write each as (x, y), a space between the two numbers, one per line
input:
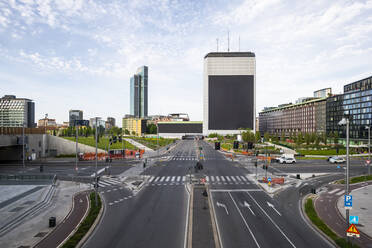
(228, 41)
(239, 43)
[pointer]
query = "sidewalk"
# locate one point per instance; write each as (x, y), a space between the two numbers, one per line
(286, 150)
(35, 226)
(139, 145)
(362, 207)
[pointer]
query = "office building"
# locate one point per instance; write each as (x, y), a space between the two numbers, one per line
(14, 112)
(75, 115)
(326, 92)
(179, 129)
(135, 126)
(229, 92)
(139, 93)
(100, 122)
(356, 104)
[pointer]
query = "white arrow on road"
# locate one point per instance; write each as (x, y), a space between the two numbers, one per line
(246, 204)
(224, 206)
(272, 206)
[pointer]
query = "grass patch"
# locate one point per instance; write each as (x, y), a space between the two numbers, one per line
(153, 142)
(358, 179)
(86, 224)
(313, 216)
(311, 158)
(103, 143)
(328, 152)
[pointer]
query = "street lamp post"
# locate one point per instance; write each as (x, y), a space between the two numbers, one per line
(369, 148)
(23, 147)
(76, 158)
(345, 121)
(96, 183)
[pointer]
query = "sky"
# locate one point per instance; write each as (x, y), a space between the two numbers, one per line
(80, 54)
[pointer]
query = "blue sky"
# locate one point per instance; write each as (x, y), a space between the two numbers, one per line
(80, 54)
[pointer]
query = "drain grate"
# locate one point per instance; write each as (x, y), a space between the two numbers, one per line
(16, 209)
(40, 234)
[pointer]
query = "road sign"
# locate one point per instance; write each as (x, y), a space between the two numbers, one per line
(353, 219)
(269, 179)
(348, 201)
(352, 231)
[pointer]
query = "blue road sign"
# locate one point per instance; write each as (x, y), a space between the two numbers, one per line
(353, 219)
(338, 167)
(269, 179)
(348, 201)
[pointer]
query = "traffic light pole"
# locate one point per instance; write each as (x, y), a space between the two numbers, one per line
(347, 173)
(76, 157)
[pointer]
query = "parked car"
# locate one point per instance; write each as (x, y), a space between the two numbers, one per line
(336, 160)
(286, 159)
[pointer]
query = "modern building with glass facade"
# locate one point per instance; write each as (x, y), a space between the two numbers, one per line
(356, 104)
(229, 100)
(74, 115)
(14, 112)
(139, 93)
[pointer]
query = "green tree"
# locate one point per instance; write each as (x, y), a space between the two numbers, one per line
(307, 138)
(335, 138)
(299, 139)
(133, 133)
(266, 136)
(151, 128)
(258, 136)
(282, 137)
(317, 139)
(324, 138)
(126, 132)
(313, 137)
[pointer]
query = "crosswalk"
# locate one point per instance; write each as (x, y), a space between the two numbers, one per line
(105, 182)
(180, 180)
(337, 191)
(176, 158)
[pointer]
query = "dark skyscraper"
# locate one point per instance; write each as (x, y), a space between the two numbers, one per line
(139, 93)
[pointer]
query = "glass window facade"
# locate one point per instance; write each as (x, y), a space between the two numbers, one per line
(139, 93)
(16, 111)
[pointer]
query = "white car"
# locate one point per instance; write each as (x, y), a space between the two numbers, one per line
(286, 160)
(336, 160)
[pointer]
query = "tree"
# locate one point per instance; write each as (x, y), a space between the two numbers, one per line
(126, 132)
(317, 139)
(267, 136)
(324, 138)
(313, 136)
(151, 128)
(258, 136)
(335, 138)
(299, 139)
(133, 133)
(282, 137)
(307, 138)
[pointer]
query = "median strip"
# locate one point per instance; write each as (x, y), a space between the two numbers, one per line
(86, 224)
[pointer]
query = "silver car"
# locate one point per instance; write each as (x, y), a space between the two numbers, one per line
(336, 160)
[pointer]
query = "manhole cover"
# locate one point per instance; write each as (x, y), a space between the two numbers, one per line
(16, 209)
(40, 234)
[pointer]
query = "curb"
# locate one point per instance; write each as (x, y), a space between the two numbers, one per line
(95, 223)
(311, 224)
(216, 234)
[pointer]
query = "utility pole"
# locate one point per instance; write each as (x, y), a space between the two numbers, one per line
(96, 182)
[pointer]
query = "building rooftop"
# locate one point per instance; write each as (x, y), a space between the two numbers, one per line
(293, 105)
(230, 54)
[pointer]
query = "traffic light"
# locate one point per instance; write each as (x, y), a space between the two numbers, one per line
(115, 139)
(120, 139)
(236, 144)
(217, 145)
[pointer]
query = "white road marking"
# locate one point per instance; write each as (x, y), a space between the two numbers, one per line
(212, 178)
(173, 178)
(183, 178)
(207, 178)
(217, 178)
(161, 179)
(156, 179)
(334, 191)
(249, 207)
(178, 178)
(224, 206)
(273, 207)
(228, 178)
(271, 220)
(245, 222)
(151, 179)
(341, 192)
(167, 179)
(223, 179)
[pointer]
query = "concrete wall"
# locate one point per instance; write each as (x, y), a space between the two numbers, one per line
(64, 146)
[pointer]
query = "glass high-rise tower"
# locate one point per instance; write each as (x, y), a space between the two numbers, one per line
(139, 93)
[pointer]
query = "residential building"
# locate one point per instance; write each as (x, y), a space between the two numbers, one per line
(16, 112)
(356, 104)
(139, 93)
(136, 126)
(46, 122)
(110, 123)
(75, 115)
(305, 117)
(229, 92)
